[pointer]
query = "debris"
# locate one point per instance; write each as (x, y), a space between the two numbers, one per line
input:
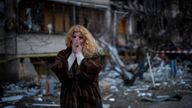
(38, 99)
(46, 105)
(145, 94)
(125, 92)
(12, 98)
(184, 91)
(112, 99)
(150, 69)
(127, 76)
(52, 83)
(106, 97)
(106, 106)
(114, 89)
(162, 98)
(9, 107)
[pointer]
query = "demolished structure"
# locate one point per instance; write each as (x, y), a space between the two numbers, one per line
(32, 32)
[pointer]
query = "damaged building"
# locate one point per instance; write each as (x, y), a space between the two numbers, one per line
(32, 32)
(127, 31)
(153, 24)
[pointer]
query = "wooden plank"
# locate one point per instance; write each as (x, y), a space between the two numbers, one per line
(122, 27)
(67, 19)
(48, 18)
(58, 22)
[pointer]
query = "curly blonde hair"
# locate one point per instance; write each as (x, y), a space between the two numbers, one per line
(90, 46)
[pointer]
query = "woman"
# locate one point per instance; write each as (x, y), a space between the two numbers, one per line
(77, 67)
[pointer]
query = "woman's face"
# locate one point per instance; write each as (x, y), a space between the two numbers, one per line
(77, 39)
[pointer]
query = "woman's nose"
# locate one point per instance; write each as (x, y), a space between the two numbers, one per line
(77, 39)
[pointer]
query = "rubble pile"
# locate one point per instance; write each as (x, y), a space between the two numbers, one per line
(31, 94)
(116, 94)
(141, 94)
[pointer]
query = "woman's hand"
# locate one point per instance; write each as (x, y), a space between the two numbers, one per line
(77, 50)
(77, 42)
(77, 47)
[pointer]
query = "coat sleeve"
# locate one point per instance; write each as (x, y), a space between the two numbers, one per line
(59, 67)
(90, 68)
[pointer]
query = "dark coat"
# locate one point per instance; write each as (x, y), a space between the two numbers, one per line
(79, 87)
(171, 47)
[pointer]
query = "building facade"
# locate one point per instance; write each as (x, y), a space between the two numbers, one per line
(34, 31)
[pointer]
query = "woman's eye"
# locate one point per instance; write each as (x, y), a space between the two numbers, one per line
(74, 36)
(81, 37)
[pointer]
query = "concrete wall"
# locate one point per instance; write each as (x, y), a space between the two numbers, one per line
(39, 44)
(10, 44)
